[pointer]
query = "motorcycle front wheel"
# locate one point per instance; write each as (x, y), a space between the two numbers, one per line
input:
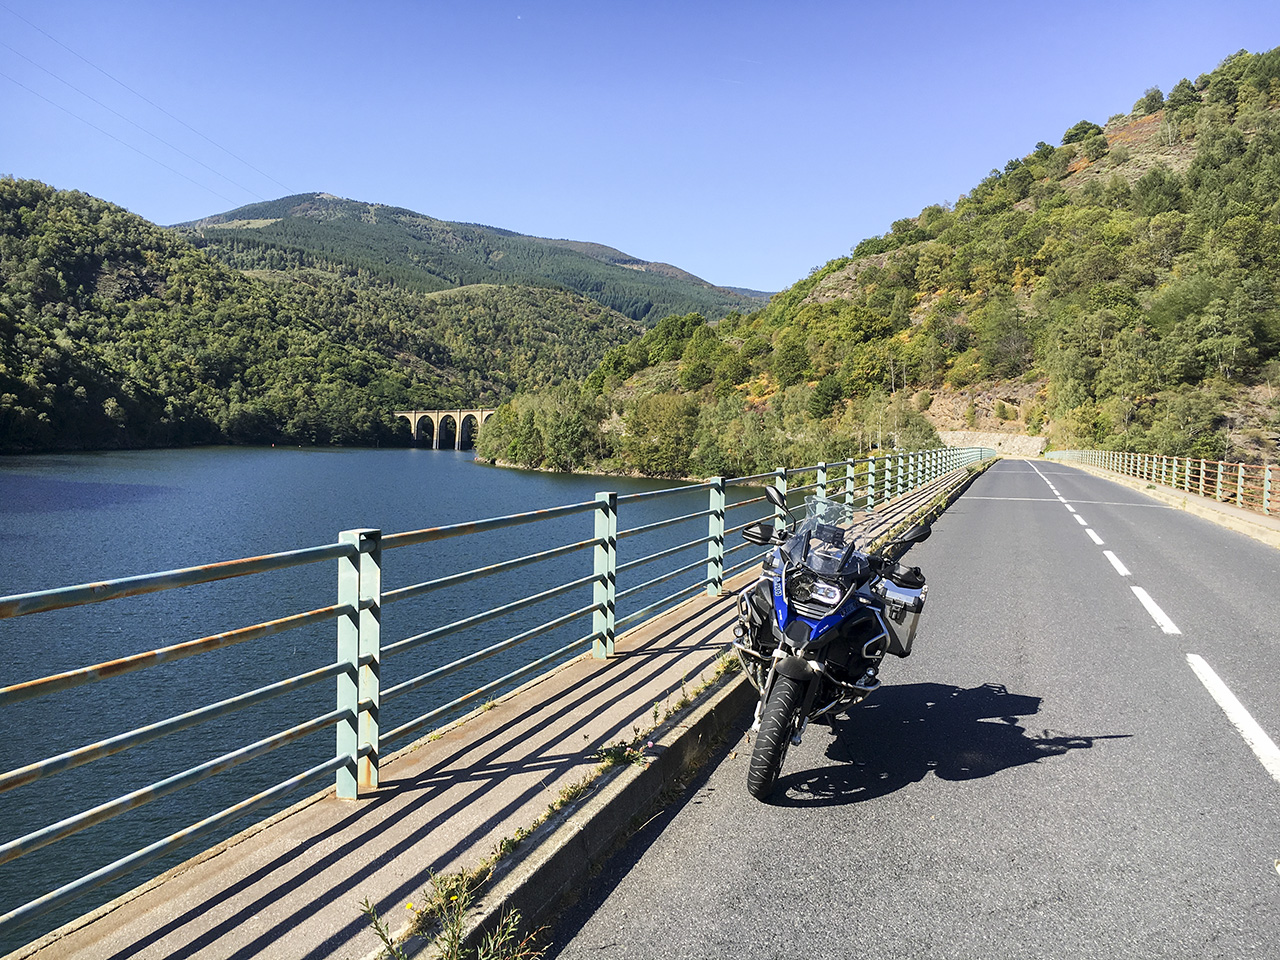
(777, 725)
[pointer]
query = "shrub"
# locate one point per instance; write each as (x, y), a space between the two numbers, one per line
(1095, 148)
(1080, 132)
(1056, 166)
(1151, 101)
(1034, 419)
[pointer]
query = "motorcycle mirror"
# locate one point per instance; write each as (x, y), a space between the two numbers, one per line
(774, 496)
(778, 499)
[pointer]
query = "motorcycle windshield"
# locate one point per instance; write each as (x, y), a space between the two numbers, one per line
(822, 540)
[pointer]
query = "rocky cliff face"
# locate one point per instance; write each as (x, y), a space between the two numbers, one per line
(1011, 444)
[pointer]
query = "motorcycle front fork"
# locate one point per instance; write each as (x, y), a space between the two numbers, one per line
(767, 690)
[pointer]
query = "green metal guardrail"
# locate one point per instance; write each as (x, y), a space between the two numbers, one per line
(362, 698)
(1250, 486)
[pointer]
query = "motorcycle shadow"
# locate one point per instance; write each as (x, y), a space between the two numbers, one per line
(904, 732)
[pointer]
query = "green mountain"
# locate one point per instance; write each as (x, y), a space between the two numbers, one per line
(117, 333)
(318, 231)
(1120, 290)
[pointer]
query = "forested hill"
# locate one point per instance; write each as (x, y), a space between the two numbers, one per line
(346, 237)
(1120, 289)
(117, 333)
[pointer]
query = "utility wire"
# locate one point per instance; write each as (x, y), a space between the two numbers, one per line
(143, 98)
(115, 138)
(131, 122)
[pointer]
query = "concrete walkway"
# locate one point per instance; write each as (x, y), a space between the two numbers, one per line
(291, 887)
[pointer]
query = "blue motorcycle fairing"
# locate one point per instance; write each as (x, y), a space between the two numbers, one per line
(817, 628)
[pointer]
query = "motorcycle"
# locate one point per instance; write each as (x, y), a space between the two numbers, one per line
(812, 631)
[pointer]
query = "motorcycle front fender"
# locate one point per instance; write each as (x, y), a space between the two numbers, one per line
(797, 668)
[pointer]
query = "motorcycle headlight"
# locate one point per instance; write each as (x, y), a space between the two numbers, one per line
(825, 593)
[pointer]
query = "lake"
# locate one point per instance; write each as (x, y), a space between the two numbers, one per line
(76, 518)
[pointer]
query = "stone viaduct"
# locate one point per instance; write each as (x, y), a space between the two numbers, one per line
(459, 427)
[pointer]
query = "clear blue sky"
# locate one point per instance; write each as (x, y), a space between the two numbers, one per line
(746, 142)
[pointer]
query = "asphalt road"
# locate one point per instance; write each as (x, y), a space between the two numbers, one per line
(1047, 776)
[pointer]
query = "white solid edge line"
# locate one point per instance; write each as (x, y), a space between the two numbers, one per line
(1081, 520)
(1261, 744)
(1158, 615)
(1093, 536)
(1115, 562)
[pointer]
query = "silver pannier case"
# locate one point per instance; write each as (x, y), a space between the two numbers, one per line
(902, 607)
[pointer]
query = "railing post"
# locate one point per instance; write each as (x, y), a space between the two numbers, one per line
(871, 483)
(1266, 488)
(1240, 485)
(360, 648)
(1202, 476)
(605, 591)
(850, 486)
(715, 546)
(821, 484)
(779, 514)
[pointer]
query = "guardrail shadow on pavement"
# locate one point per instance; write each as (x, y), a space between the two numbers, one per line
(634, 668)
(906, 731)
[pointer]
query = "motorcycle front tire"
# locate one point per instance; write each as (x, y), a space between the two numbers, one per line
(777, 725)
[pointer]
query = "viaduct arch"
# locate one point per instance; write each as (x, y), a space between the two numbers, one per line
(458, 427)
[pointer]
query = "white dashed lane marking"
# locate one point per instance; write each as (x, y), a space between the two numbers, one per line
(1153, 608)
(1261, 744)
(1115, 562)
(1162, 619)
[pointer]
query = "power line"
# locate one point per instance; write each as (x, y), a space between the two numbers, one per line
(143, 98)
(115, 138)
(132, 122)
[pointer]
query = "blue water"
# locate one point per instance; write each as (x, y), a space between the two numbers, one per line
(70, 519)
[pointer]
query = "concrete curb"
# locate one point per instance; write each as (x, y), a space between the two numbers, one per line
(541, 881)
